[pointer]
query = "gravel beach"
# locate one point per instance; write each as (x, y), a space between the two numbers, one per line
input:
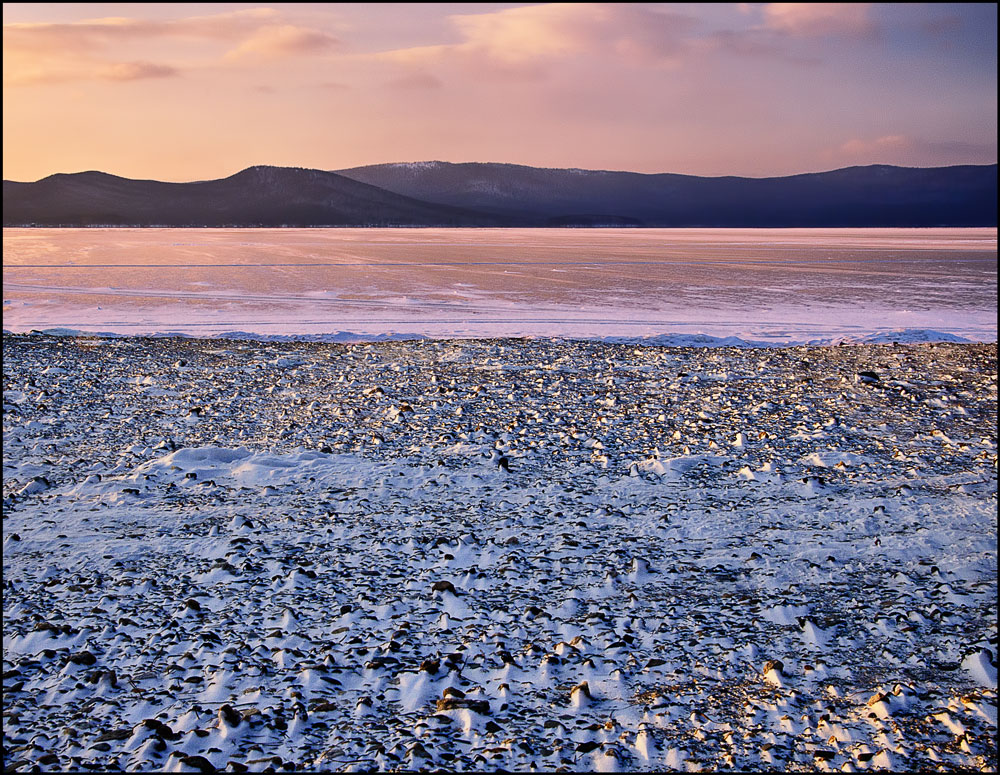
(498, 554)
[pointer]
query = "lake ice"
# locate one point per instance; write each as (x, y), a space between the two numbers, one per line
(770, 286)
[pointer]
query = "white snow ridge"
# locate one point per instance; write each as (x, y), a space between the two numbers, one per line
(497, 555)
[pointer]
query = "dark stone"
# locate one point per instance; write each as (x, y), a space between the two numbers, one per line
(199, 762)
(444, 586)
(83, 658)
(113, 734)
(455, 703)
(430, 666)
(160, 729)
(98, 675)
(230, 716)
(773, 664)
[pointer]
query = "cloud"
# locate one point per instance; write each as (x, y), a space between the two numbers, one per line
(95, 34)
(134, 71)
(858, 147)
(284, 40)
(65, 71)
(526, 41)
(905, 149)
(97, 49)
(811, 20)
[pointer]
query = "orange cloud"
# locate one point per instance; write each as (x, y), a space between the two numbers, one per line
(526, 40)
(27, 71)
(92, 49)
(283, 40)
(98, 33)
(857, 147)
(133, 71)
(905, 149)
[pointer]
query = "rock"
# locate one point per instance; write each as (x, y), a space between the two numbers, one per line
(113, 734)
(430, 666)
(34, 485)
(199, 763)
(103, 675)
(481, 707)
(773, 664)
(229, 717)
(160, 729)
(83, 658)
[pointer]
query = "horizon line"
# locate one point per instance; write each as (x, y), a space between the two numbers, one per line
(496, 163)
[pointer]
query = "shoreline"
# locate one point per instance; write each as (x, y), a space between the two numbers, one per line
(497, 553)
(897, 338)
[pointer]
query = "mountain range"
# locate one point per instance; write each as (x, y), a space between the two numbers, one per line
(479, 194)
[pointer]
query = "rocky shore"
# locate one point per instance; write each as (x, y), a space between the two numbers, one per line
(498, 554)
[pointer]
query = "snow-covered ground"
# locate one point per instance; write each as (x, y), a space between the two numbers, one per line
(498, 554)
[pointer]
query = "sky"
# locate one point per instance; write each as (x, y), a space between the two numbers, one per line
(197, 91)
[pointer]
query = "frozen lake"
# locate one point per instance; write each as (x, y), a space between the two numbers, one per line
(776, 286)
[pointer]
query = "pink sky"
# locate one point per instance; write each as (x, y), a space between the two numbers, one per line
(197, 91)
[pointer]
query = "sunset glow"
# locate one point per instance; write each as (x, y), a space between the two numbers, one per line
(199, 91)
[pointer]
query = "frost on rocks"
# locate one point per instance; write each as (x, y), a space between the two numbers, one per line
(309, 555)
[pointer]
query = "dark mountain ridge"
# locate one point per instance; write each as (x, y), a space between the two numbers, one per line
(256, 196)
(877, 195)
(479, 194)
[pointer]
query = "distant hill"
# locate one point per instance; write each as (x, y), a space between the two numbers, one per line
(474, 194)
(877, 195)
(257, 196)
